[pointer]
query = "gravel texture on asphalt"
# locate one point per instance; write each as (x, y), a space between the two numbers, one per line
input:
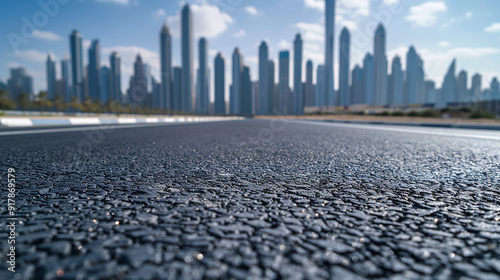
(254, 199)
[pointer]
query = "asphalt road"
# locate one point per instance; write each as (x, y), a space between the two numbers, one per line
(254, 199)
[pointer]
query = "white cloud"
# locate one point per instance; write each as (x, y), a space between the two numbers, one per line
(86, 44)
(240, 33)
(444, 44)
(32, 55)
(46, 35)
(252, 10)
(315, 4)
(284, 45)
(311, 31)
(208, 20)
(468, 15)
(159, 14)
(390, 2)
(360, 7)
(494, 28)
(425, 14)
(123, 2)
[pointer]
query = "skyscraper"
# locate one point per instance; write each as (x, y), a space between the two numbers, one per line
(76, 65)
(19, 83)
(246, 92)
(298, 95)
(345, 53)
(272, 95)
(51, 77)
(449, 88)
(116, 82)
(284, 83)
(187, 60)
(396, 90)
(105, 85)
(220, 85)
(66, 78)
(166, 97)
(202, 88)
(380, 67)
(430, 92)
(357, 86)
(138, 91)
(320, 99)
(309, 87)
(415, 87)
(495, 89)
(177, 93)
(368, 80)
(462, 86)
(237, 86)
(475, 91)
(94, 75)
(263, 106)
(329, 47)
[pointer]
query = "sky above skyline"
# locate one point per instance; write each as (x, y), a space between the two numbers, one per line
(440, 30)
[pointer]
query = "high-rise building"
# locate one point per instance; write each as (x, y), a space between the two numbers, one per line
(430, 92)
(19, 83)
(368, 79)
(105, 85)
(166, 97)
(65, 79)
(284, 104)
(309, 86)
(380, 67)
(246, 92)
(396, 89)
(357, 96)
(449, 88)
(138, 87)
(51, 77)
(94, 75)
(320, 99)
(495, 89)
(237, 86)
(203, 83)
(177, 92)
(76, 65)
(272, 98)
(115, 93)
(329, 51)
(220, 85)
(462, 86)
(187, 60)
(263, 106)
(475, 91)
(345, 53)
(298, 94)
(414, 87)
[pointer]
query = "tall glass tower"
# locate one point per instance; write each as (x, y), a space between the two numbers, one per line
(187, 59)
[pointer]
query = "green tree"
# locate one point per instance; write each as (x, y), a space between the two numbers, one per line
(42, 102)
(6, 103)
(24, 101)
(75, 104)
(59, 103)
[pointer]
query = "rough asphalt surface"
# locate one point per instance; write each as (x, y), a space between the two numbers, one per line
(251, 200)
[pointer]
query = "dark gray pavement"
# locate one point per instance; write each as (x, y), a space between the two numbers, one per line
(254, 199)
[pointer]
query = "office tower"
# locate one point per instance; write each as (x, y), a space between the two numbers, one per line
(309, 85)
(51, 77)
(284, 83)
(329, 49)
(137, 92)
(220, 85)
(76, 65)
(177, 90)
(396, 90)
(430, 92)
(166, 97)
(235, 94)
(380, 67)
(319, 96)
(357, 86)
(272, 98)
(105, 85)
(19, 83)
(115, 83)
(414, 88)
(85, 83)
(345, 53)
(187, 60)
(202, 84)
(495, 89)
(462, 86)
(149, 100)
(449, 88)
(65, 77)
(246, 92)
(368, 80)
(475, 91)
(298, 94)
(94, 69)
(263, 106)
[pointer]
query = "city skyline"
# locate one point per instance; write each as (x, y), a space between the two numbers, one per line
(478, 56)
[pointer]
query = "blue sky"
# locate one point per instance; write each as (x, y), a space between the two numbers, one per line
(440, 30)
